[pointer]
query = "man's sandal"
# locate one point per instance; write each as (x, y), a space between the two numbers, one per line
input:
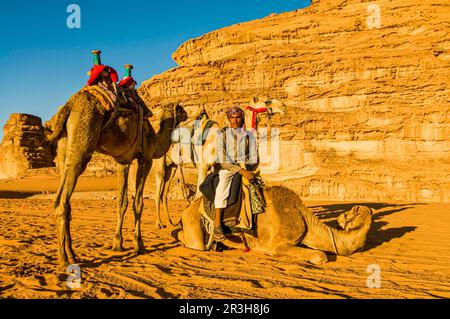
(218, 234)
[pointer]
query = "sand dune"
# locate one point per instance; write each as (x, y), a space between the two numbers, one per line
(410, 243)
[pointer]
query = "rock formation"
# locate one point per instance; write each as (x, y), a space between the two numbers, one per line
(24, 151)
(23, 146)
(366, 85)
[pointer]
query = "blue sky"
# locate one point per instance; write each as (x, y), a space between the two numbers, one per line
(43, 62)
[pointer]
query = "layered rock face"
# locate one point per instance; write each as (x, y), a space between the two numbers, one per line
(23, 146)
(366, 85)
(24, 151)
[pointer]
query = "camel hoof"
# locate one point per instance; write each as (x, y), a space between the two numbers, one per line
(73, 260)
(117, 248)
(139, 248)
(62, 265)
(139, 251)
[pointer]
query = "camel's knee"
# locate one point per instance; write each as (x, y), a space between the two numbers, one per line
(138, 205)
(62, 211)
(123, 203)
(159, 173)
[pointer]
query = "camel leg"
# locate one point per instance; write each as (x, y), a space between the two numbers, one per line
(75, 164)
(122, 181)
(316, 257)
(170, 174)
(78, 151)
(160, 165)
(61, 147)
(144, 166)
(202, 171)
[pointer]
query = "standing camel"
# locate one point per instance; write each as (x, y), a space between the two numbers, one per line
(205, 155)
(80, 129)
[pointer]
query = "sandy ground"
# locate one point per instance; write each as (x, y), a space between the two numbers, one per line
(409, 242)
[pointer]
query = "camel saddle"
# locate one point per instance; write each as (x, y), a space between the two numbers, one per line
(185, 146)
(125, 100)
(201, 130)
(122, 103)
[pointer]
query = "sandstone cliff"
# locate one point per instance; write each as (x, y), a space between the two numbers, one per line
(368, 96)
(23, 146)
(24, 151)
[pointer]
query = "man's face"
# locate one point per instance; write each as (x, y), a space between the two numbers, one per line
(235, 120)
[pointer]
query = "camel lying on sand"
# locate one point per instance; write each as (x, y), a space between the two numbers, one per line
(79, 129)
(286, 225)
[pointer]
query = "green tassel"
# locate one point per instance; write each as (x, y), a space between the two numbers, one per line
(128, 68)
(97, 60)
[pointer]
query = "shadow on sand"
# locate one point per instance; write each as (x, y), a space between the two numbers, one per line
(16, 195)
(126, 254)
(376, 236)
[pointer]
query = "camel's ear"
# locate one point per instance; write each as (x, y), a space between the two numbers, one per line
(255, 99)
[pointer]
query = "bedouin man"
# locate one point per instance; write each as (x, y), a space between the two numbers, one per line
(102, 75)
(238, 150)
(128, 86)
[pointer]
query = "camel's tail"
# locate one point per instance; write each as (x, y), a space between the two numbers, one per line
(55, 126)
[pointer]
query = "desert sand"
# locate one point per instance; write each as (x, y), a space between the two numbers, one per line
(410, 243)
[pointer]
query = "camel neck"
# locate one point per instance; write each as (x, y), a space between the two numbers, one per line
(164, 136)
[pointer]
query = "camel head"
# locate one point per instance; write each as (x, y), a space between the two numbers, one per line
(171, 110)
(274, 106)
(356, 218)
(180, 114)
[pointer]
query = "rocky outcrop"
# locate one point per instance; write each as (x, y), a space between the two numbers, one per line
(23, 146)
(367, 86)
(24, 151)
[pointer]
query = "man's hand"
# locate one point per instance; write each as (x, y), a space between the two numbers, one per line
(247, 174)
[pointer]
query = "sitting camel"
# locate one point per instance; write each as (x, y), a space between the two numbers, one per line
(79, 129)
(205, 155)
(286, 224)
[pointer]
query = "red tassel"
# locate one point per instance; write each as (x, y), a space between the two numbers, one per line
(254, 112)
(98, 69)
(127, 81)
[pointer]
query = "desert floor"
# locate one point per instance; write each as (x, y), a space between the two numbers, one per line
(409, 242)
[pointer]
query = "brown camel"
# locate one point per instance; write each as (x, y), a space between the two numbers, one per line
(285, 225)
(166, 166)
(79, 129)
